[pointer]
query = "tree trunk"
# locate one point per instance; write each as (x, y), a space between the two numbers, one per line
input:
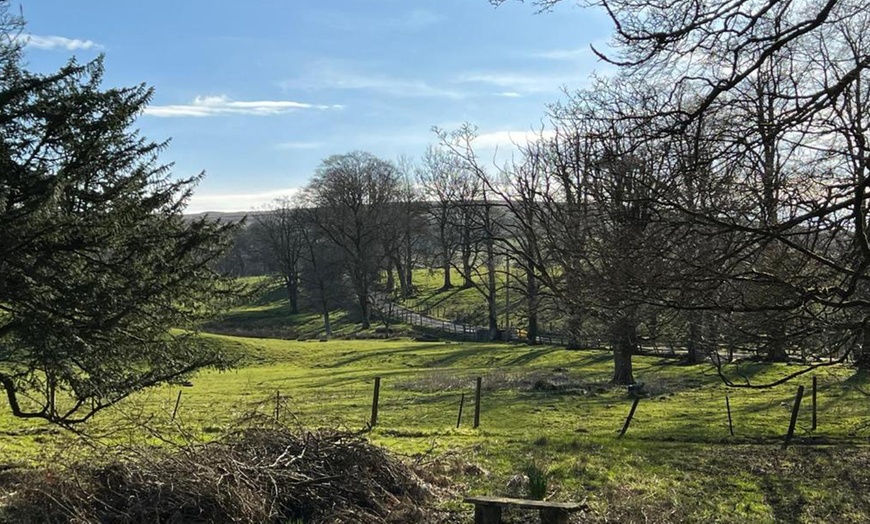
(403, 284)
(293, 294)
(862, 357)
(409, 267)
(694, 340)
(445, 256)
(447, 283)
(466, 269)
(491, 296)
(324, 308)
(362, 295)
(624, 341)
(532, 303)
(466, 260)
(327, 326)
(776, 351)
(391, 281)
(364, 311)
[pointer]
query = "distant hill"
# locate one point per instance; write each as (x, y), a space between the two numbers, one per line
(224, 216)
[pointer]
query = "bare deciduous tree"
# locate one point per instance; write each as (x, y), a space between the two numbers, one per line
(352, 197)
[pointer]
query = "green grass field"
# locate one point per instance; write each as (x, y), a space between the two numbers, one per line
(677, 458)
(547, 405)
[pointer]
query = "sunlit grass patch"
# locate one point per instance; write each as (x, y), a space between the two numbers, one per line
(538, 403)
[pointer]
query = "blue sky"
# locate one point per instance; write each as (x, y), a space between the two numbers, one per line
(257, 93)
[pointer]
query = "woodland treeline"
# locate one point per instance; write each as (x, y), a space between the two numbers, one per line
(713, 188)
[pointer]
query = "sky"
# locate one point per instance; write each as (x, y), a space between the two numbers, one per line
(258, 93)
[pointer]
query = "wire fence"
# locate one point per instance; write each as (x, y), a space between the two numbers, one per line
(427, 320)
(536, 403)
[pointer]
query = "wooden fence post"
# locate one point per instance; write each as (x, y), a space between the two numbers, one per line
(461, 403)
(815, 384)
(277, 404)
(794, 414)
(630, 416)
(728, 407)
(477, 403)
(177, 403)
(375, 395)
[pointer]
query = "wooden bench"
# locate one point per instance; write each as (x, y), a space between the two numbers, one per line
(487, 510)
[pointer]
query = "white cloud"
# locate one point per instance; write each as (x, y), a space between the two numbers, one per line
(222, 105)
(338, 75)
(392, 86)
(230, 202)
(509, 94)
(58, 42)
(575, 77)
(300, 145)
(510, 139)
(522, 83)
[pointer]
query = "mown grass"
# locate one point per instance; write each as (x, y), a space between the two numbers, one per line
(676, 463)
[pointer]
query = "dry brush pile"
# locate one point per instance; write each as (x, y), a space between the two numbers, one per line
(259, 475)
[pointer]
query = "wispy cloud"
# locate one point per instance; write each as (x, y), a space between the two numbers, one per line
(221, 105)
(344, 77)
(394, 86)
(509, 94)
(300, 145)
(58, 42)
(526, 83)
(227, 202)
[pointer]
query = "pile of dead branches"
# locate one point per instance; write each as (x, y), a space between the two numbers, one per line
(256, 475)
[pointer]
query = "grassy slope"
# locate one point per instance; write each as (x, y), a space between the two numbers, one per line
(677, 462)
(467, 305)
(676, 459)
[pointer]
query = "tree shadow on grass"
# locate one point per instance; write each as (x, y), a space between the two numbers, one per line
(529, 356)
(455, 357)
(784, 497)
(378, 356)
(271, 292)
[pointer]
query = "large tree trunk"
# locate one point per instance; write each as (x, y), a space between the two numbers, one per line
(327, 326)
(624, 341)
(364, 311)
(391, 281)
(292, 285)
(776, 348)
(446, 267)
(362, 296)
(862, 355)
(693, 343)
(466, 269)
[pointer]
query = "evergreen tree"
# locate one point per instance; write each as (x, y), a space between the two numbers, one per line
(102, 280)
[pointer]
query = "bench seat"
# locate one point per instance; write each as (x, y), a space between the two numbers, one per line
(487, 510)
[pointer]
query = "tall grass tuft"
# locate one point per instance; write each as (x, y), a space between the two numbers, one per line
(538, 478)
